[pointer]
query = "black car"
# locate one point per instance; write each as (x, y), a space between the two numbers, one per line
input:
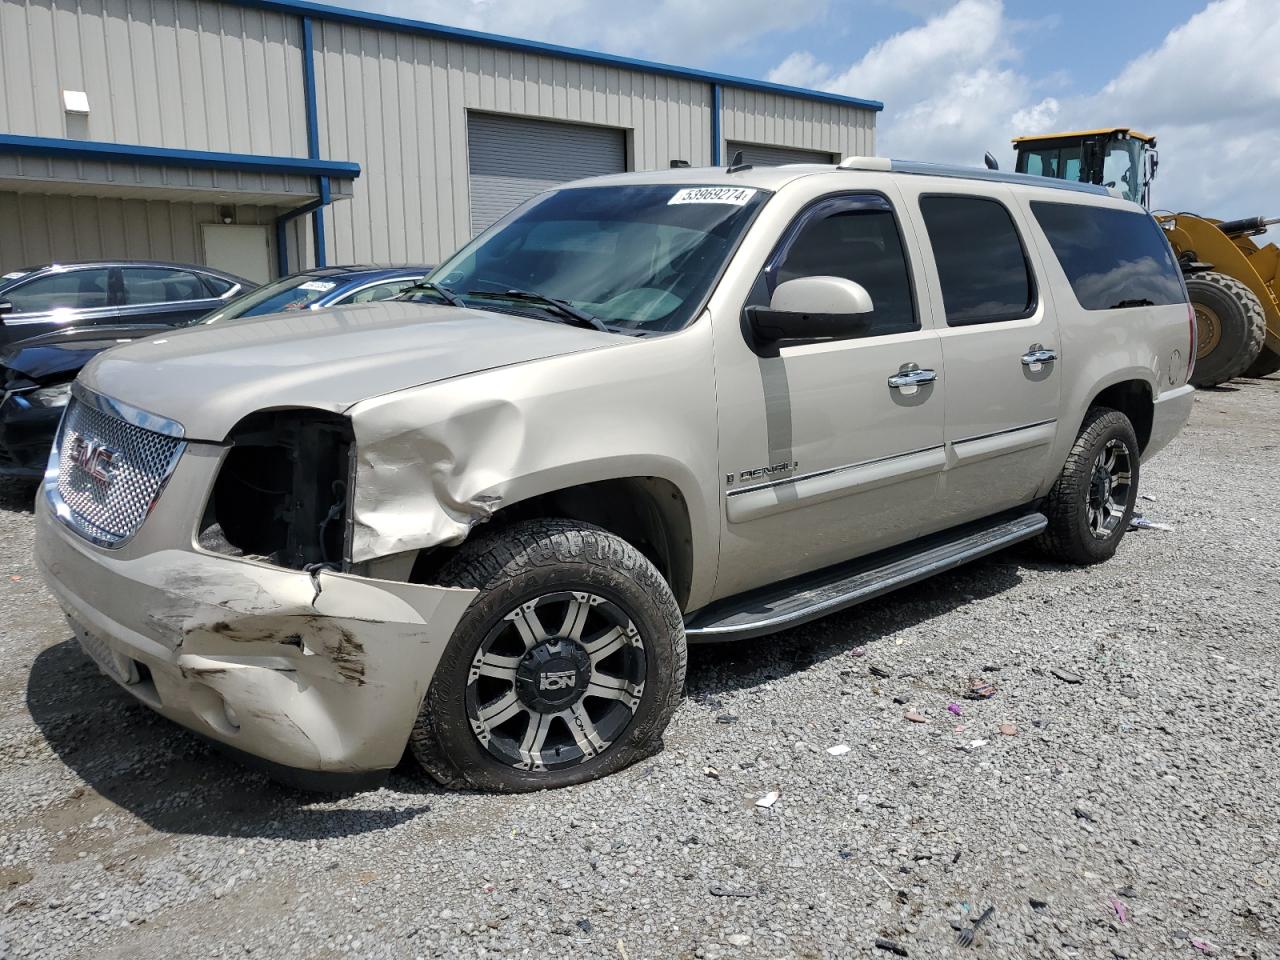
(60, 296)
(36, 374)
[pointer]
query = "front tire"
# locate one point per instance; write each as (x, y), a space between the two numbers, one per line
(1091, 504)
(1230, 327)
(1268, 362)
(566, 667)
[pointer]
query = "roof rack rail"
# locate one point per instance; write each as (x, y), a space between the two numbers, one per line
(921, 168)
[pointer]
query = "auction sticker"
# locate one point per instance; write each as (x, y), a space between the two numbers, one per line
(736, 196)
(319, 285)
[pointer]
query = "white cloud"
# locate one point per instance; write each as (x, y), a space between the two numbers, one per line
(671, 30)
(954, 88)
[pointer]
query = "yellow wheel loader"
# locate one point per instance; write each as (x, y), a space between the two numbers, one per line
(1234, 284)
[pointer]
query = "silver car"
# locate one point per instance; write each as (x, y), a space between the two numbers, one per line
(485, 520)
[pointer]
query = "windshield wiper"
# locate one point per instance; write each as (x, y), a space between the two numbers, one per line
(1140, 302)
(444, 293)
(566, 309)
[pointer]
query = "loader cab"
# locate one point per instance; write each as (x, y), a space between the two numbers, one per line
(1116, 157)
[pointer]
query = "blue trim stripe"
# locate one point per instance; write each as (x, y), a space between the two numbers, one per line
(313, 136)
(130, 153)
(322, 11)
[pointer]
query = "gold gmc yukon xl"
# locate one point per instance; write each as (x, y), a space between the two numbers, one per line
(483, 521)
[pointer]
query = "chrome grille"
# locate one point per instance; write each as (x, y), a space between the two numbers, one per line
(110, 472)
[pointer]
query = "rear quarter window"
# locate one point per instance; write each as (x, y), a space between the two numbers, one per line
(1112, 258)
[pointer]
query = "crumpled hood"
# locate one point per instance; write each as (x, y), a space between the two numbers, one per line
(210, 377)
(59, 356)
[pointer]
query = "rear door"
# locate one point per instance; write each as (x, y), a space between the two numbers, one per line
(165, 296)
(1000, 344)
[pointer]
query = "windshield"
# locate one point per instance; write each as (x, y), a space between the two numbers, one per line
(288, 293)
(640, 258)
(1122, 168)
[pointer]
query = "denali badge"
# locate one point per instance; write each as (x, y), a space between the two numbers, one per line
(558, 680)
(96, 459)
(760, 473)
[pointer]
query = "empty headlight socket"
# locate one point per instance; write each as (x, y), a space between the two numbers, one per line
(282, 492)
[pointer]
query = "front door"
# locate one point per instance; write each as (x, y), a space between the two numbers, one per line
(999, 345)
(821, 457)
(237, 248)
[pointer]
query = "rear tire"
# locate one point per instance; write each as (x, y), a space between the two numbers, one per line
(1091, 504)
(1268, 362)
(566, 667)
(1230, 327)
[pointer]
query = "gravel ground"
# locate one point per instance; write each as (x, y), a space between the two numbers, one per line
(1130, 814)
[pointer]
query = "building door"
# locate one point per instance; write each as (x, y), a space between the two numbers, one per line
(762, 156)
(515, 158)
(238, 249)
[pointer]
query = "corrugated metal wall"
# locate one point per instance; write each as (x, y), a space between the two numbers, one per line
(167, 73)
(397, 104)
(40, 228)
(753, 116)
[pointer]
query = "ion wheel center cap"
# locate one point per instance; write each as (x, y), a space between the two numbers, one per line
(553, 676)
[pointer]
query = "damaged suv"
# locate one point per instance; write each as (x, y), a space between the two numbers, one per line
(482, 521)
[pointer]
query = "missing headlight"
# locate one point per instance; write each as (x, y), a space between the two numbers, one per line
(282, 492)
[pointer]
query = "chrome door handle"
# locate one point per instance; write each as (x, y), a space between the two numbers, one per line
(912, 378)
(1039, 356)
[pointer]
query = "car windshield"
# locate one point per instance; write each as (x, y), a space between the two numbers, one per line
(296, 292)
(640, 258)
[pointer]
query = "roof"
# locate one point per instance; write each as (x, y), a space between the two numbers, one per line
(775, 178)
(1075, 134)
(69, 264)
(362, 270)
(321, 11)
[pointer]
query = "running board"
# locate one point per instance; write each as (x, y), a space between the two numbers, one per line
(801, 599)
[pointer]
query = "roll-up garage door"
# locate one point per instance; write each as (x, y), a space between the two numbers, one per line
(513, 158)
(759, 156)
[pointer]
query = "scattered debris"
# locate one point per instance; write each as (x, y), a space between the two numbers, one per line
(839, 750)
(1066, 676)
(726, 718)
(858, 652)
(717, 890)
(737, 939)
(1142, 523)
(1037, 904)
(914, 717)
(1128, 893)
(975, 744)
(891, 946)
(1008, 730)
(966, 937)
(622, 950)
(1084, 814)
(954, 708)
(711, 772)
(900, 701)
(584, 925)
(769, 799)
(980, 689)
(881, 672)
(1204, 946)
(846, 854)
(1121, 911)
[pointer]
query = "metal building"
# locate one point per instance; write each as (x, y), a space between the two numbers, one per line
(261, 136)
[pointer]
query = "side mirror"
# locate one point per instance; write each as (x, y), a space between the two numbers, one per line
(990, 161)
(811, 308)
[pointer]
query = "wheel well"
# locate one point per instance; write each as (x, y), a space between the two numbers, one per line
(1133, 399)
(648, 512)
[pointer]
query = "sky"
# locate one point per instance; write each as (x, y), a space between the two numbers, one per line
(961, 77)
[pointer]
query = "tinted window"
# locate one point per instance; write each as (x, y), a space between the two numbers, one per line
(984, 273)
(296, 292)
(160, 285)
(70, 289)
(856, 238)
(379, 291)
(217, 285)
(1112, 258)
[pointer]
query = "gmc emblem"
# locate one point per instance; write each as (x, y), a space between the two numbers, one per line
(96, 459)
(558, 680)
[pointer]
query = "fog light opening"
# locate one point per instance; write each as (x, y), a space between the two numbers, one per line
(233, 719)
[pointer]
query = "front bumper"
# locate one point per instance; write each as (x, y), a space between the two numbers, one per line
(250, 655)
(1171, 411)
(26, 434)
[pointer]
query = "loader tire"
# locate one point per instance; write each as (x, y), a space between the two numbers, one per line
(1230, 327)
(1268, 362)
